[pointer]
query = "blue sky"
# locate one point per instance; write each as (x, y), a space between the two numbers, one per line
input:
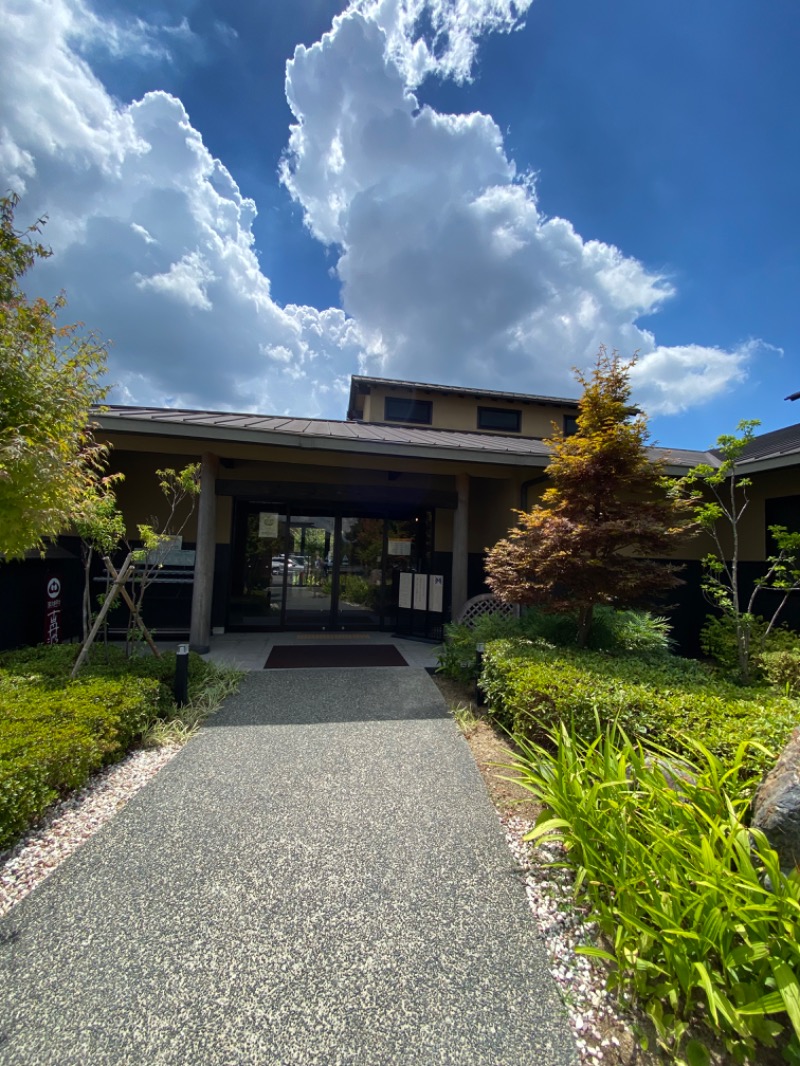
(476, 193)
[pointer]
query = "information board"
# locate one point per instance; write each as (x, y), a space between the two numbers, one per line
(420, 592)
(436, 593)
(267, 524)
(404, 591)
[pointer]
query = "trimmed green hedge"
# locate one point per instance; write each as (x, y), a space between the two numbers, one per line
(52, 739)
(530, 686)
(54, 732)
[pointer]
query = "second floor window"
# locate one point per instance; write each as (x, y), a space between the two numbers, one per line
(403, 409)
(502, 418)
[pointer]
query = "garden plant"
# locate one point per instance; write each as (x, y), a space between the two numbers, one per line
(54, 732)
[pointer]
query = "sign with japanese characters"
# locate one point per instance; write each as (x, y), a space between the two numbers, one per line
(404, 592)
(435, 592)
(52, 614)
(420, 592)
(399, 547)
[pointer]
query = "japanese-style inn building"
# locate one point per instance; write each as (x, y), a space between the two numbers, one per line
(378, 521)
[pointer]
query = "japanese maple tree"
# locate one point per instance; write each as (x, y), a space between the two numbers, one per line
(608, 513)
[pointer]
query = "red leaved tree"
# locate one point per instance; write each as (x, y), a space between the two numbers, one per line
(607, 513)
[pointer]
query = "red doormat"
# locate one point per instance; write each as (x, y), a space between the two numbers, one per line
(289, 657)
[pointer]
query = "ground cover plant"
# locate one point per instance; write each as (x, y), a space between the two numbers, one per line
(698, 922)
(54, 732)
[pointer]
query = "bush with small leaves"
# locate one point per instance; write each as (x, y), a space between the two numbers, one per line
(530, 685)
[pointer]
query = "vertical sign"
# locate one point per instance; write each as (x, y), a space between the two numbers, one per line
(52, 613)
(420, 592)
(404, 592)
(267, 524)
(436, 593)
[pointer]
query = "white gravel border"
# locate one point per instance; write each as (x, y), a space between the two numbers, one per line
(602, 1032)
(67, 824)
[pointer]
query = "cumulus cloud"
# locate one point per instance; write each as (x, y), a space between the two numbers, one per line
(450, 270)
(446, 259)
(151, 236)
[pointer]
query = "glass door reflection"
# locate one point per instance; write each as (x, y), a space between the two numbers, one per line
(308, 575)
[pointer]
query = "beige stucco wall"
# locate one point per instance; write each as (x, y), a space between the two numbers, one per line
(769, 484)
(461, 412)
(494, 489)
(140, 498)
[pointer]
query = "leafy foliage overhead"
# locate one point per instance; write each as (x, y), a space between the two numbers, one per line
(49, 380)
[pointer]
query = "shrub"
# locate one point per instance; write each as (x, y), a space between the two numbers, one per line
(619, 632)
(55, 732)
(52, 738)
(529, 686)
(676, 884)
(458, 656)
(782, 668)
(358, 591)
(719, 640)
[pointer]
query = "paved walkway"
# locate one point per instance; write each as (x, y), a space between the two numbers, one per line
(318, 877)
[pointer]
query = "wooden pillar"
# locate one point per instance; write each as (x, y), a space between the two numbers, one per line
(200, 632)
(460, 546)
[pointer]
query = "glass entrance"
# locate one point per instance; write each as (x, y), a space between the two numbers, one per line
(308, 577)
(320, 572)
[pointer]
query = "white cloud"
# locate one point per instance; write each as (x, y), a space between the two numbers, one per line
(447, 262)
(152, 238)
(450, 271)
(454, 29)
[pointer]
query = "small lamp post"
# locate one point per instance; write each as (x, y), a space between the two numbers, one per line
(181, 688)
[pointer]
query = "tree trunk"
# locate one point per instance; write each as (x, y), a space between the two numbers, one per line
(585, 615)
(743, 642)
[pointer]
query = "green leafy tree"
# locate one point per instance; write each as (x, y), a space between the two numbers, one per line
(608, 511)
(180, 489)
(49, 380)
(721, 518)
(101, 527)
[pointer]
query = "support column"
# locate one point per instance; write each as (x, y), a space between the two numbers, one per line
(460, 546)
(200, 632)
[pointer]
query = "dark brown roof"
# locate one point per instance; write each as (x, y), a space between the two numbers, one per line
(328, 434)
(778, 444)
(364, 437)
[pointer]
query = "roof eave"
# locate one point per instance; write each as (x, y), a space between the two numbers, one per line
(312, 442)
(772, 462)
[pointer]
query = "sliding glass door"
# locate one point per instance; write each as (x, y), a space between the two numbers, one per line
(320, 572)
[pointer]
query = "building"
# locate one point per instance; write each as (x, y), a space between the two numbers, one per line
(377, 521)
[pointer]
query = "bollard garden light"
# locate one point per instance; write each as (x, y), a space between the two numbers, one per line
(181, 689)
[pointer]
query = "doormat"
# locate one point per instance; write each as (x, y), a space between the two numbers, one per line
(289, 657)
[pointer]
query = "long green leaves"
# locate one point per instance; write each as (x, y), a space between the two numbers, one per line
(692, 906)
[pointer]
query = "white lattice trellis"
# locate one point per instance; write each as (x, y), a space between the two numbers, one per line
(486, 603)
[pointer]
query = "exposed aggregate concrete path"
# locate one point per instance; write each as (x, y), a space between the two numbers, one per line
(318, 877)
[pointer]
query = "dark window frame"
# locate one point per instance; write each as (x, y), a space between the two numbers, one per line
(780, 511)
(423, 408)
(570, 425)
(517, 428)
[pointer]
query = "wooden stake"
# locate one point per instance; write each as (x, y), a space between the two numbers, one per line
(133, 609)
(119, 580)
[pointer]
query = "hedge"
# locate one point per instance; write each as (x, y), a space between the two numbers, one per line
(530, 688)
(52, 738)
